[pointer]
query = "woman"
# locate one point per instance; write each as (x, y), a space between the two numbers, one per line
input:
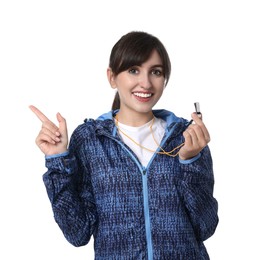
(139, 180)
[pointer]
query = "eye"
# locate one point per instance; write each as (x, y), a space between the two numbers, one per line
(133, 71)
(157, 72)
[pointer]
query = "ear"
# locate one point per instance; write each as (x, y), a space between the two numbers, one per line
(111, 77)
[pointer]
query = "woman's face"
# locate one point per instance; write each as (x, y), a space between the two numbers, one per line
(140, 87)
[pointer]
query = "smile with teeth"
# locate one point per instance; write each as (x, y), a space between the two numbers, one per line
(142, 95)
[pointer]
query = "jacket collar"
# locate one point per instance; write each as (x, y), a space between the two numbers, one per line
(106, 122)
(166, 115)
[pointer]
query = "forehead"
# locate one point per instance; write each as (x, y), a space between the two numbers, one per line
(153, 60)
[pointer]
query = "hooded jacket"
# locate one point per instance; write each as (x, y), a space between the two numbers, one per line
(163, 211)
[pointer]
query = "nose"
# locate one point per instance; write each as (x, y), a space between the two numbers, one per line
(144, 80)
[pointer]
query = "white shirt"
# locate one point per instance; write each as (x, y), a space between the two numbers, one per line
(143, 136)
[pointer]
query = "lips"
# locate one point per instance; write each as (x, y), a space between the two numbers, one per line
(143, 96)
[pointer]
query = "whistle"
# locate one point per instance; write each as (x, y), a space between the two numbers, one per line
(197, 108)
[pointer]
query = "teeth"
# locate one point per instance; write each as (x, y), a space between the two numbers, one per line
(143, 95)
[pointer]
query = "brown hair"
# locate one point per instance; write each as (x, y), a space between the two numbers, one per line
(135, 48)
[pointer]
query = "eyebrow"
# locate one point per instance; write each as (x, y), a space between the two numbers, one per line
(157, 65)
(153, 66)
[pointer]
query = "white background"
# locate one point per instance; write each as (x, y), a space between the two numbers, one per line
(54, 54)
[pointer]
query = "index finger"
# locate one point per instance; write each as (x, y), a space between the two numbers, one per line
(39, 114)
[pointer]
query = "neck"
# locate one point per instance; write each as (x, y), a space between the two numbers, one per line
(135, 119)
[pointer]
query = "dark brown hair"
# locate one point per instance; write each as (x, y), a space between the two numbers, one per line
(133, 49)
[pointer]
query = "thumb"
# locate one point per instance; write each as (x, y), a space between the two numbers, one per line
(62, 124)
(197, 116)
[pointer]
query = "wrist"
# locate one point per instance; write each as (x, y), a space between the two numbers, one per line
(190, 160)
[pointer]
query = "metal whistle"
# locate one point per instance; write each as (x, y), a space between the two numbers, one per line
(198, 112)
(197, 108)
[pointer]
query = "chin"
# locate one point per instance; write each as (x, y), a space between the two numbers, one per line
(145, 110)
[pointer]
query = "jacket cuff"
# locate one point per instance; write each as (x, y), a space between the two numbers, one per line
(59, 162)
(193, 159)
(56, 155)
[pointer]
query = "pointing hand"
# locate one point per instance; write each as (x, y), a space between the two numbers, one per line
(51, 139)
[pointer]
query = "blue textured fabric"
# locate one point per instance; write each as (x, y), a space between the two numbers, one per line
(99, 188)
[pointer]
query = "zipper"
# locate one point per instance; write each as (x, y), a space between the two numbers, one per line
(143, 170)
(146, 201)
(147, 215)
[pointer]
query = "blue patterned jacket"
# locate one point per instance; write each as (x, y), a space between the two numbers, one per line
(99, 188)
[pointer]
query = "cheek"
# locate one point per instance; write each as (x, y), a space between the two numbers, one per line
(158, 82)
(160, 92)
(161, 86)
(120, 79)
(125, 84)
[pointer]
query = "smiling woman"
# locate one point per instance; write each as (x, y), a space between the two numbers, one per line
(125, 58)
(139, 89)
(139, 180)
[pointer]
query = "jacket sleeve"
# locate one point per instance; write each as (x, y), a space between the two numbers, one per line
(69, 189)
(197, 190)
